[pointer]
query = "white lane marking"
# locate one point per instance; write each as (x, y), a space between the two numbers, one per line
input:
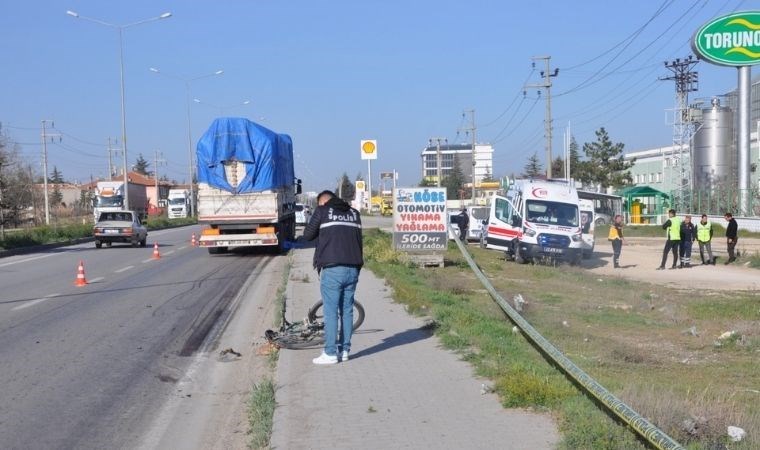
(147, 260)
(169, 252)
(123, 269)
(183, 247)
(26, 260)
(95, 280)
(34, 302)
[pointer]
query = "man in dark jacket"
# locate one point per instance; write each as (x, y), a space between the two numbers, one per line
(688, 234)
(732, 235)
(338, 257)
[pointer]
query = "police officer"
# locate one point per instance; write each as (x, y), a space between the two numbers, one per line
(704, 236)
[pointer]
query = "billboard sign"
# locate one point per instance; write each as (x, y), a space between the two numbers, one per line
(419, 219)
(732, 40)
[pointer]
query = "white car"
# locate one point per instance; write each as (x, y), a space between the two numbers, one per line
(303, 214)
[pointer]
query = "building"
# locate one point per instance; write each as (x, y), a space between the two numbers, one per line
(443, 157)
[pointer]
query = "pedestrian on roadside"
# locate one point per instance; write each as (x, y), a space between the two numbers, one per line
(464, 224)
(732, 235)
(338, 259)
(616, 238)
(704, 238)
(688, 234)
(673, 228)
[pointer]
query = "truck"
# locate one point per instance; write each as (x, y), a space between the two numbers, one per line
(178, 204)
(109, 196)
(246, 186)
(536, 220)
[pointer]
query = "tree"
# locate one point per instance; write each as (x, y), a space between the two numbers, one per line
(454, 181)
(141, 166)
(488, 176)
(16, 184)
(346, 189)
(533, 168)
(558, 167)
(56, 176)
(55, 198)
(425, 182)
(605, 164)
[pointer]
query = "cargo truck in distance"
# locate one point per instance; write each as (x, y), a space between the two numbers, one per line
(246, 186)
(109, 196)
(178, 204)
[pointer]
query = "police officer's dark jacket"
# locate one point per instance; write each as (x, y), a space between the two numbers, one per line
(338, 228)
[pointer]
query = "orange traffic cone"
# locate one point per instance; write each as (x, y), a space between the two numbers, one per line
(156, 255)
(80, 280)
(192, 241)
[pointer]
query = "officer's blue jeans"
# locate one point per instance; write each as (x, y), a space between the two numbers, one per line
(338, 285)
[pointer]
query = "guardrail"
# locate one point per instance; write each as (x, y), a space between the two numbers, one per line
(648, 431)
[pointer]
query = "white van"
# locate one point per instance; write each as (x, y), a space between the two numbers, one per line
(538, 219)
(588, 221)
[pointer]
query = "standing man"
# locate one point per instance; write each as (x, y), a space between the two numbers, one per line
(704, 238)
(338, 258)
(732, 235)
(673, 227)
(616, 237)
(688, 234)
(464, 224)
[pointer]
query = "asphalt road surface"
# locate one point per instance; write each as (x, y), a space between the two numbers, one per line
(88, 367)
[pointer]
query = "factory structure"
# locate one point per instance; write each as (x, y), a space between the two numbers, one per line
(702, 172)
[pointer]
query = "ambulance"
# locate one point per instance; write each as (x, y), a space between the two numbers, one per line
(537, 220)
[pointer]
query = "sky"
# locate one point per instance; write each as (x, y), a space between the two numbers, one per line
(332, 73)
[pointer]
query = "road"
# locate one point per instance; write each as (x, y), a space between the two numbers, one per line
(89, 367)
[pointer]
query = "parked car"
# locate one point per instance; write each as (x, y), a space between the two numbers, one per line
(119, 226)
(303, 214)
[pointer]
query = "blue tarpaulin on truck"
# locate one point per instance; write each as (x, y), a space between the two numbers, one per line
(268, 155)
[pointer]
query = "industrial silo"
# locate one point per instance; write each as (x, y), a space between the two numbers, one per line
(713, 162)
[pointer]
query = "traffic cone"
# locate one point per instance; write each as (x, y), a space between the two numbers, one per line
(156, 255)
(192, 241)
(80, 280)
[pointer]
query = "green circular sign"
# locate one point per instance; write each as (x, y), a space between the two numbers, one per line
(732, 40)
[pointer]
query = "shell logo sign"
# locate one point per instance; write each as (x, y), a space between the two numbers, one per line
(369, 149)
(732, 40)
(360, 185)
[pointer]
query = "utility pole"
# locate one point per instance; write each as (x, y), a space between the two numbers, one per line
(2, 217)
(547, 85)
(45, 167)
(158, 158)
(439, 172)
(471, 130)
(686, 81)
(111, 151)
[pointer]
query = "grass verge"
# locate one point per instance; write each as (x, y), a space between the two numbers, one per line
(654, 347)
(261, 403)
(261, 406)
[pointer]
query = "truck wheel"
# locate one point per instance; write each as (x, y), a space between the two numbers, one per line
(108, 244)
(213, 250)
(144, 241)
(135, 242)
(98, 244)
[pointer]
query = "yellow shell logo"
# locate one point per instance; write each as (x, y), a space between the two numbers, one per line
(368, 147)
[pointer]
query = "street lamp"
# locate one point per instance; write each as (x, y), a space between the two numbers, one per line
(222, 108)
(187, 82)
(121, 29)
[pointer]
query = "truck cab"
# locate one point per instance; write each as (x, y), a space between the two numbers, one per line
(536, 220)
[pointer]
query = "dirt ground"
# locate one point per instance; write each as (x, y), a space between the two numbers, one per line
(640, 258)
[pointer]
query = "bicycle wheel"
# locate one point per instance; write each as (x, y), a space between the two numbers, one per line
(316, 316)
(296, 339)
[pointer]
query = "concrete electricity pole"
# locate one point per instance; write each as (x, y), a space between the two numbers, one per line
(472, 129)
(158, 159)
(547, 85)
(45, 135)
(439, 172)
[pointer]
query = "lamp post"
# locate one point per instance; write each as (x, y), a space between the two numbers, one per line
(222, 108)
(121, 29)
(187, 82)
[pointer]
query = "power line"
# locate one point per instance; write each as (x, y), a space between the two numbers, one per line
(517, 95)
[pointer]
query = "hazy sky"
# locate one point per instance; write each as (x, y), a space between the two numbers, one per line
(331, 73)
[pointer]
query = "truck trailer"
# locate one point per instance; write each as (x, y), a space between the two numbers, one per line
(246, 186)
(109, 196)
